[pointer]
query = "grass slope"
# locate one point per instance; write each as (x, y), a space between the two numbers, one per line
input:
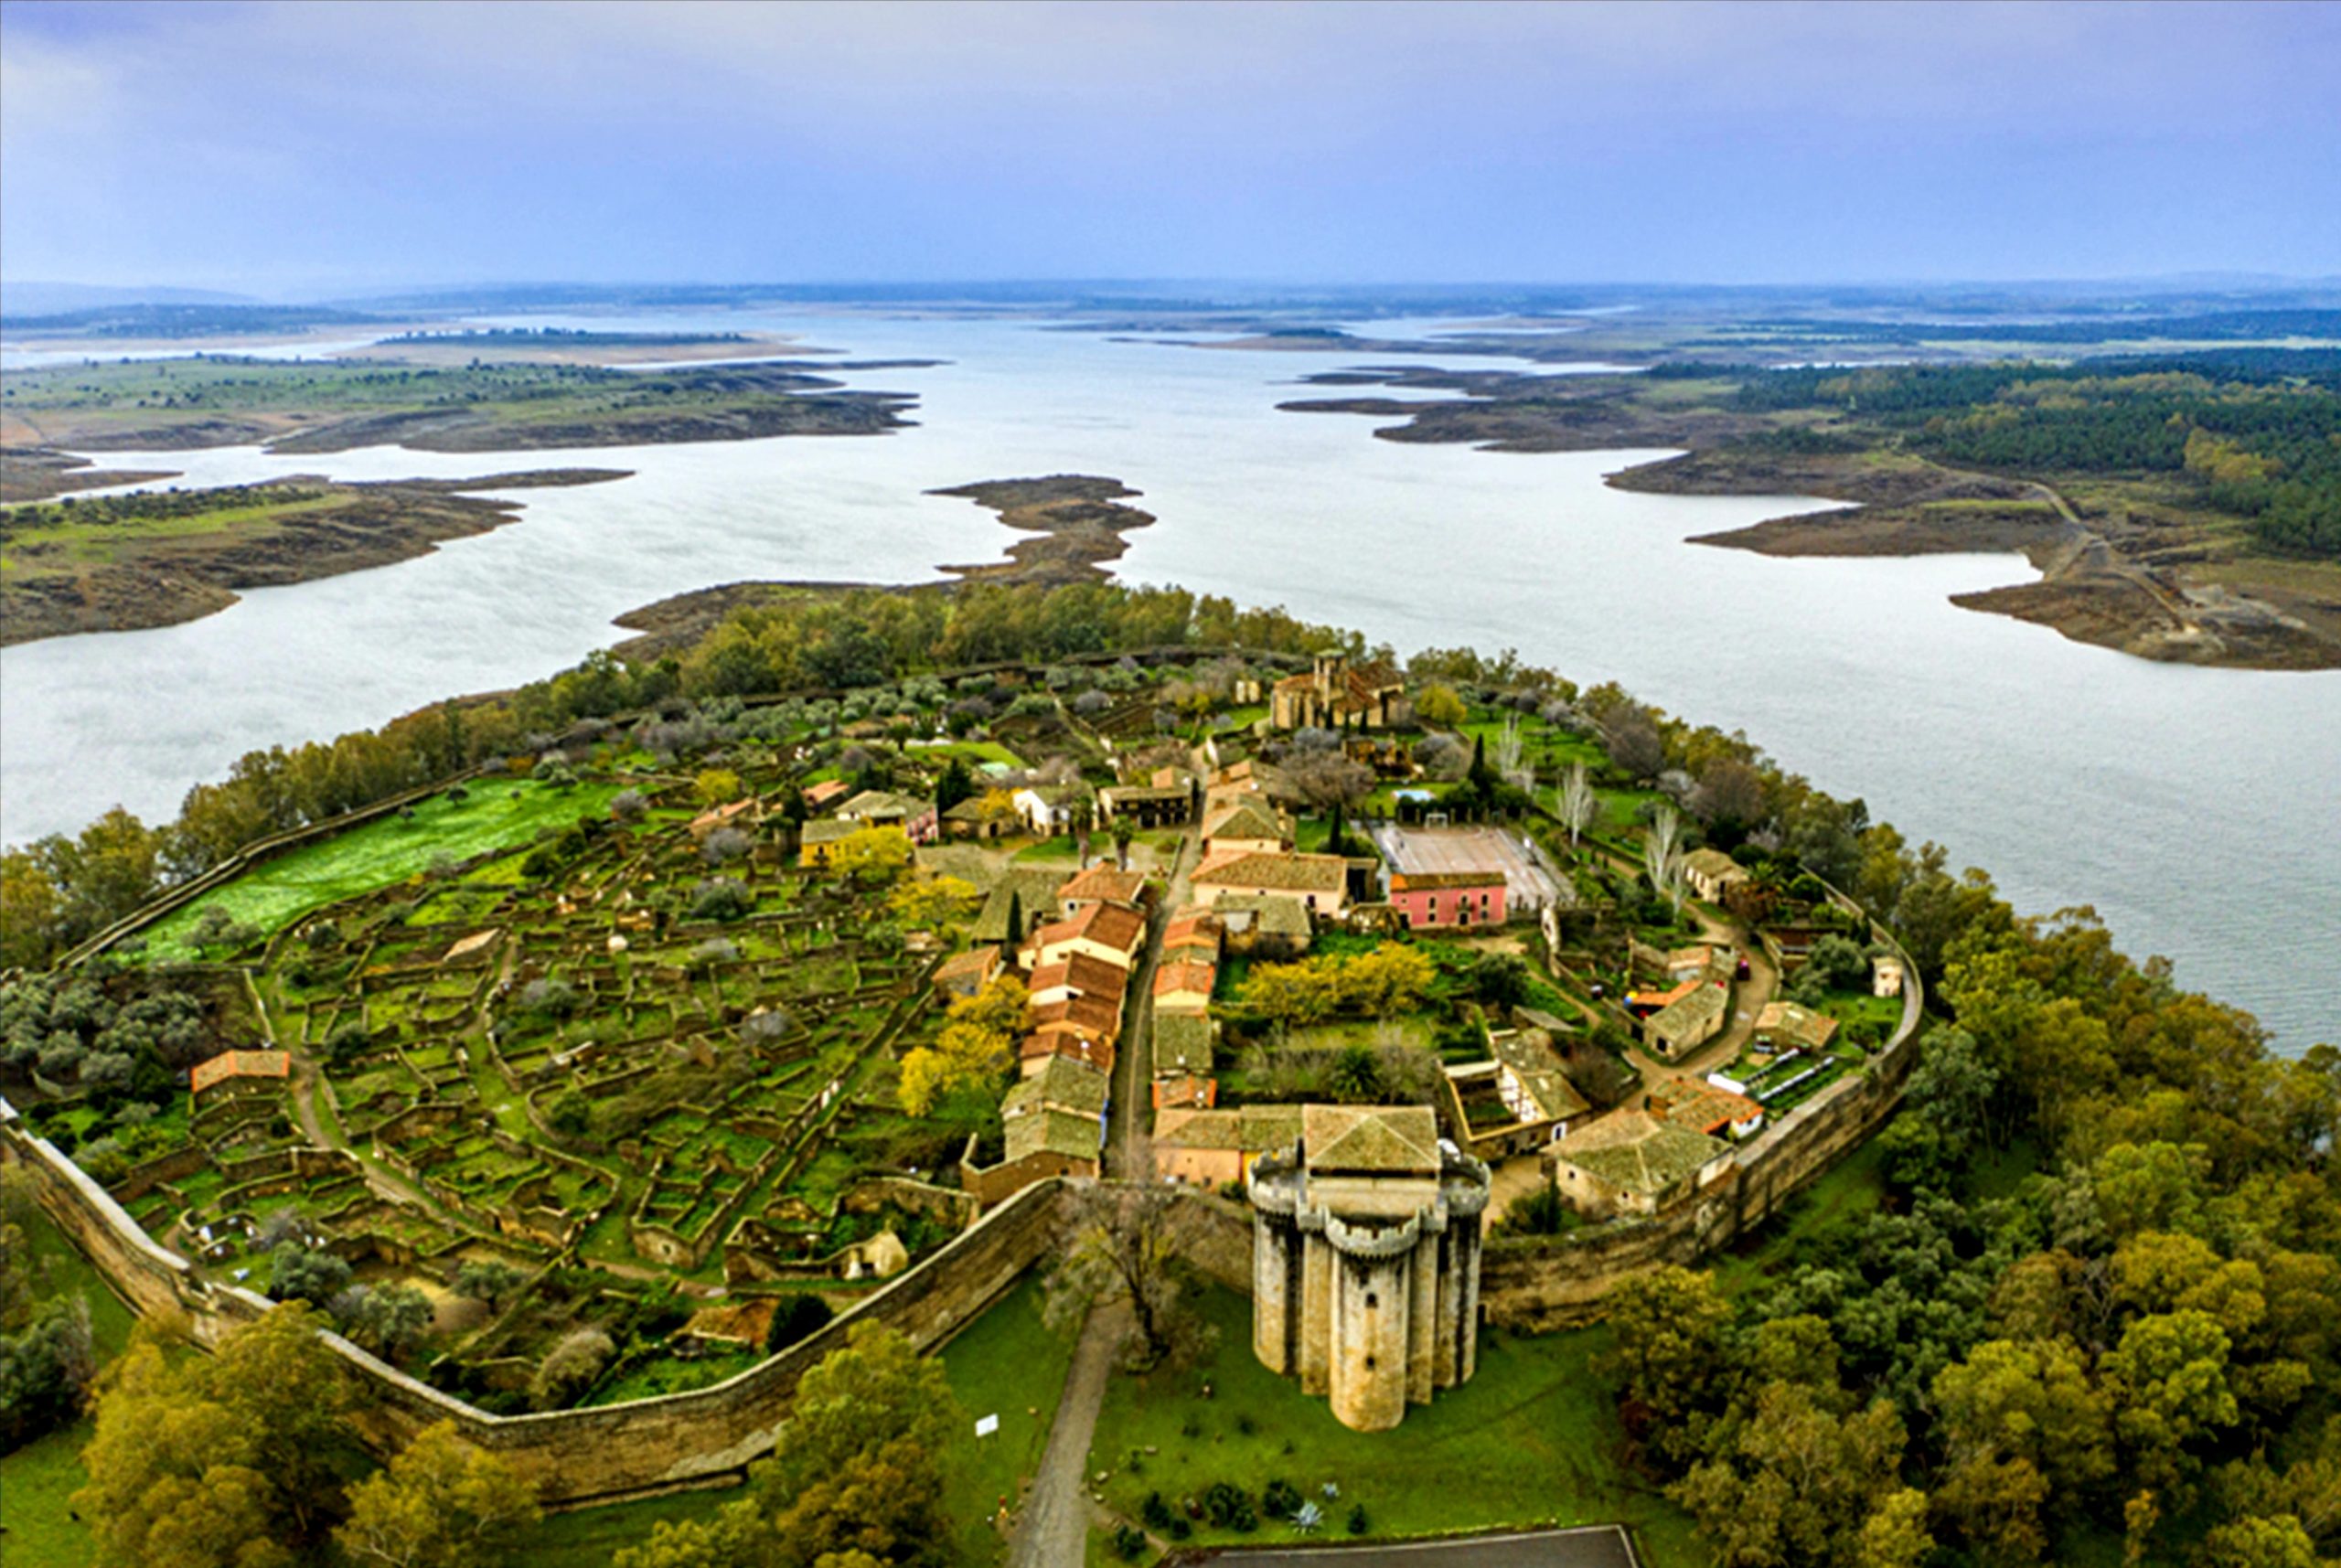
(380, 853)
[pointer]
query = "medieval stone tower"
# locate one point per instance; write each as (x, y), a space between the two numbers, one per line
(1365, 1261)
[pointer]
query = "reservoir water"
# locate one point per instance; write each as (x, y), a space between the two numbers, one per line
(2196, 809)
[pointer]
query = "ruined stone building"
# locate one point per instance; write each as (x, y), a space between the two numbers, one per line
(1338, 695)
(1365, 1260)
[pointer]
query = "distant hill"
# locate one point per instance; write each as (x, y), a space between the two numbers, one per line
(30, 298)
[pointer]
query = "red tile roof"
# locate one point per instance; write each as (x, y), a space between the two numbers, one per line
(1085, 974)
(239, 1064)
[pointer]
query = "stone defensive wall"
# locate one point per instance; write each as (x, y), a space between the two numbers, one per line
(605, 1452)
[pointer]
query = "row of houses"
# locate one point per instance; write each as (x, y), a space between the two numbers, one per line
(1078, 963)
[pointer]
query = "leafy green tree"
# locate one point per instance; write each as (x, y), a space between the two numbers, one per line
(1796, 1482)
(307, 1274)
(489, 1281)
(1671, 1327)
(2169, 1379)
(440, 1503)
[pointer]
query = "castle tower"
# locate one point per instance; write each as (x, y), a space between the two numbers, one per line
(1365, 1261)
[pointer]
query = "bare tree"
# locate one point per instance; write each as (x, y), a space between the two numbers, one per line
(1511, 756)
(1663, 853)
(1578, 803)
(1121, 1249)
(1324, 778)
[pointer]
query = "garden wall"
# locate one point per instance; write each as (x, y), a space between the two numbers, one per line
(575, 1455)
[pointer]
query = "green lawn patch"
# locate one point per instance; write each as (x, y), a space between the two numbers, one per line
(1005, 1363)
(274, 894)
(1531, 1440)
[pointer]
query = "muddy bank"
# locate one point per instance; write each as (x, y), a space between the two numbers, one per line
(40, 474)
(1077, 521)
(120, 572)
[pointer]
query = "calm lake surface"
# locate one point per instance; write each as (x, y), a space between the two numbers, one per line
(2196, 809)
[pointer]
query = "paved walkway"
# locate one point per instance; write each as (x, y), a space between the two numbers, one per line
(1053, 1532)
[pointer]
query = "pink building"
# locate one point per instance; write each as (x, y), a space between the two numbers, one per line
(1429, 898)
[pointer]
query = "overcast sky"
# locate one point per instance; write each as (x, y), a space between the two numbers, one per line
(262, 146)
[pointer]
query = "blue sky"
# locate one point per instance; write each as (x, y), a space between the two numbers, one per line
(269, 147)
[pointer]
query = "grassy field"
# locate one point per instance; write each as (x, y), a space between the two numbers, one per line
(37, 1479)
(382, 852)
(1531, 1440)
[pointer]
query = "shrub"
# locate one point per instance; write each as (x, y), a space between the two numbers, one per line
(721, 898)
(1128, 1542)
(1229, 1507)
(1154, 1511)
(550, 997)
(1359, 1524)
(629, 805)
(724, 846)
(570, 1368)
(1280, 1499)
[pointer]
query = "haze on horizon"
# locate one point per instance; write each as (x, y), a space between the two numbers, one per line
(289, 149)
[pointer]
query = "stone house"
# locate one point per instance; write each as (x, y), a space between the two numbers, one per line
(232, 1074)
(1319, 882)
(1247, 824)
(1265, 925)
(1793, 1026)
(1214, 1148)
(1185, 988)
(1048, 810)
(1147, 806)
(1111, 932)
(1705, 1108)
(971, 818)
(1886, 975)
(1053, 1124)
(1338, 695)
(1101, 883)
(1712, 873)
(1630, 1162)
(967, 973)
(1182, 1045)
(1690, 1021)
(1079, 974)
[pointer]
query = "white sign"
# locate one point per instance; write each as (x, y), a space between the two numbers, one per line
(987, 1425)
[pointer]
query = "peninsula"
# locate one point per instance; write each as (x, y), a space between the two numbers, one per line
(120, 563)
(1077, 519)
(339, 405)
(2182, 508)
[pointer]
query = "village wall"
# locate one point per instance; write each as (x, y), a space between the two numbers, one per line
(574, 1455)
(1533, 1284)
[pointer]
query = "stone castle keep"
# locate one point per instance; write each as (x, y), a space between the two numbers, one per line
(1365, 1261)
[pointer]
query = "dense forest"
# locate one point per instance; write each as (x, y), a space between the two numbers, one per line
(2256, 432)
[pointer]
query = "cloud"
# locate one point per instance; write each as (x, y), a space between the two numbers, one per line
(265, 142)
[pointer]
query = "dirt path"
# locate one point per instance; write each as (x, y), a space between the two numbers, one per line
(1054, 1530)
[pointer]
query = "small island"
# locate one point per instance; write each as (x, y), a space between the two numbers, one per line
(1079, 519)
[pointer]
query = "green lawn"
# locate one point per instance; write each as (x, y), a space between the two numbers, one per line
(1531, 1440)
(382, 852)
(1008, 1364)
(37, 1479)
